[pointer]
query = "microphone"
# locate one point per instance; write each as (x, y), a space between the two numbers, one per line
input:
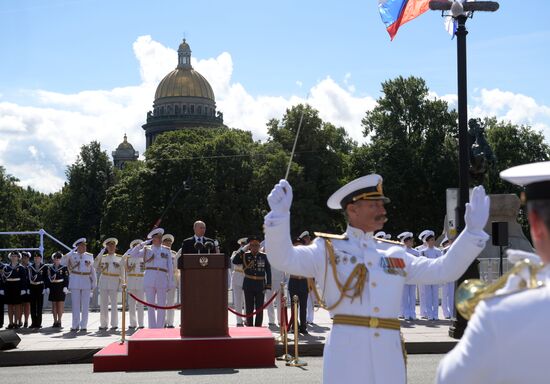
(199, 246)
(209, 246)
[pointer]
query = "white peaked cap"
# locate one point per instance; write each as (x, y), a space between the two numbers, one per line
(81, 240)
(364, 188)
(156, 231)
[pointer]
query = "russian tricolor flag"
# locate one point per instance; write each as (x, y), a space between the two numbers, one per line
(395, 13)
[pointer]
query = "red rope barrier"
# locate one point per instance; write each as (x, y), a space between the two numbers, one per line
(177, 306)
(266, 304)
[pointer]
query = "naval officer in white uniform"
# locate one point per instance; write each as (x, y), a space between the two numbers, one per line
(507, 338)
(134, 268)
(82, 282)
(362, 285)
(159, 275)
(111, 268)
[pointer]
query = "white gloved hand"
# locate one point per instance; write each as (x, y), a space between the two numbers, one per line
(47, 291)
(280, 198)
(92, 294)
(65, 290)
(23, 292)
(1, 292)
(28, 291)
(144, 243)
(477, 210)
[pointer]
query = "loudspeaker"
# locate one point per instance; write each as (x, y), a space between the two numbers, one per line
(9, 339)
(500, 233)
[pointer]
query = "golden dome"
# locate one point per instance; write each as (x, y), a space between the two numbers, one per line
(184, 82)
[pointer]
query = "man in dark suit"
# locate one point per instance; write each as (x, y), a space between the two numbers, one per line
(191, 244)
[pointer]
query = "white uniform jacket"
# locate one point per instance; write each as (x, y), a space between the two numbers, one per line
(111, 269)
(135, 268)
(159, 267)
(356, 354)
(506, 340)
(81, 270)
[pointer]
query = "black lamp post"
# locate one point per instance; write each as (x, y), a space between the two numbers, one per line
(461, 11)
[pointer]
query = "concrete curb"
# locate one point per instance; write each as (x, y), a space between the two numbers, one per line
(84, 355)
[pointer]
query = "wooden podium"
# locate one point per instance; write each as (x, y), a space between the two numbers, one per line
(204, 294)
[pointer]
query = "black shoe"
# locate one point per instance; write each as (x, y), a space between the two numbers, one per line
(102, 328)
(114, 328)
(141, 327)
(132, 327)
(240, 325)
(169, 326)
(10, 326)
(83, 330)
(303, 331)
(26, 325)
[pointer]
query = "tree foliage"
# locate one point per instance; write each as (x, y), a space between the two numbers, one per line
(413, 146)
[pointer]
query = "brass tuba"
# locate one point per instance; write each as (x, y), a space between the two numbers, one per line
(471, 292)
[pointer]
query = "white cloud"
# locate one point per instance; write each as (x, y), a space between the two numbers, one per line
(508, 106)
(39, 140)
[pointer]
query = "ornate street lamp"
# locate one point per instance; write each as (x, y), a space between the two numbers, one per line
(460, 11)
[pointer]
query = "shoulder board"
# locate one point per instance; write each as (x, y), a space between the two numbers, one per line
(88, 253)
(119, 255)
(390, 241)
(164, 246)
(330, 236)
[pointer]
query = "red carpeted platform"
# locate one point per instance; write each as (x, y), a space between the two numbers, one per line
(165, 349)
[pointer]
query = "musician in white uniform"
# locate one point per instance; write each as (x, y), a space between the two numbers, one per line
(447, 289)
(135, 268)
(111, 268)
(431, 290)
(361, 285)
(158, 277)
(82, 282)
(408, 300)
(507, 338)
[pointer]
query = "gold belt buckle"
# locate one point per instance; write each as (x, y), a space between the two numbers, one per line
(373, 322)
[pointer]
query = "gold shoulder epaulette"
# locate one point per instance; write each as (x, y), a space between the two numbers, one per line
(330, 236)
(390, 241)
(513, 292)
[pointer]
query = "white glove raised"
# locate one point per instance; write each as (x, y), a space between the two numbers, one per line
(280, 198)
(23, 292)
(65, 290)
(477, 210)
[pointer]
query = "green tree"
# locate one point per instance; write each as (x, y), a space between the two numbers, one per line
(76, 210)
(413, 146)
(320, 165)
(219, 167)
(512, 145)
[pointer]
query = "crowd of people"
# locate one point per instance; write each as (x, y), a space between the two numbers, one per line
(149, 270)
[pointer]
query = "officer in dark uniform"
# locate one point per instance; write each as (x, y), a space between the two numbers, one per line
(15, 281)
(26, 298)
(38, 274)
(2, 292)
(257, 278)
(57, 284)
(298, 286)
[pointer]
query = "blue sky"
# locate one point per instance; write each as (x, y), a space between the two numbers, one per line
(56, 53)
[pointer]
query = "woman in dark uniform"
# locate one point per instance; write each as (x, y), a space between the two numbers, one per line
(26, 298)
(38, 274)
(15, 285)
(57, 283)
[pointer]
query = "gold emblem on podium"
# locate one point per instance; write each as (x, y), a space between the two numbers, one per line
(203, 261)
